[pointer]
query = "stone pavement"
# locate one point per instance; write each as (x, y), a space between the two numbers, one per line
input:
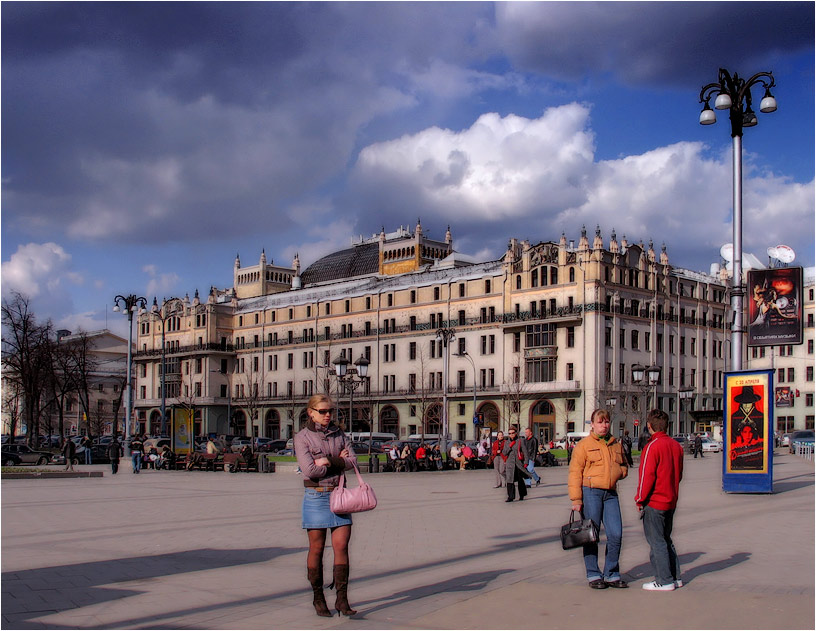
(204, 550)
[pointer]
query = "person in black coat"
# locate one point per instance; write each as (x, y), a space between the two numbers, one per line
(114, 453)
(69, 451)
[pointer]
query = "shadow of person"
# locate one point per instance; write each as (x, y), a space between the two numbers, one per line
(473, 582)
(688, 574)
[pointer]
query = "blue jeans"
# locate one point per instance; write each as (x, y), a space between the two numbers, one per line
(87, 455)
(136, 456)
(531, 469)
(657, 526)
(602, 507)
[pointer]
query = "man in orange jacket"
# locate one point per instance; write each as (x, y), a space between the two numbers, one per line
(661, 469)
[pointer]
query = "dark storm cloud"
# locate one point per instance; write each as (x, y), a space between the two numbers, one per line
(650, 42)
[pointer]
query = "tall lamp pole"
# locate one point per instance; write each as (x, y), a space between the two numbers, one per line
(472, 363)
(446, 335)
(130, 304)
(734, 94)
(351, 379)
(170, 308)
(646, 378)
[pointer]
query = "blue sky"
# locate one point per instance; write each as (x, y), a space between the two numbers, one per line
(145, 145)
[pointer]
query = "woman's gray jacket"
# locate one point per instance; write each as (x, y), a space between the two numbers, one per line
(313, 442)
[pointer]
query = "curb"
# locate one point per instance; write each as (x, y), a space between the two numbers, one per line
(39, 475)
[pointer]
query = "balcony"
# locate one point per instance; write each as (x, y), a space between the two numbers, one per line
(545, 386)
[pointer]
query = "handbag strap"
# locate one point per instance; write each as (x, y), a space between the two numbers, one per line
(572, 515)
(360, 480)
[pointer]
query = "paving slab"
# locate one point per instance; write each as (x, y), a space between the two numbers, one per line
(214, 550)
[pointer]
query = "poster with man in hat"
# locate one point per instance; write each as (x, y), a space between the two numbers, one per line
(746, 442)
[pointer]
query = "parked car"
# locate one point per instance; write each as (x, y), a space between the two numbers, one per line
(711, 445)
(239, 443)
(27, 455)
(785, 440)
(362, 448)
(10, 459)
(802, 437)
(270, 445)
(684, 443)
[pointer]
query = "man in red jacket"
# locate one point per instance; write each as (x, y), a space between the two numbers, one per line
(661, 469)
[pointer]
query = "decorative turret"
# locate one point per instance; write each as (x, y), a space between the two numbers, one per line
(583, 244)
(448, 236)
(651, 252)
(597, 243)
(237, 262)
(613, 243)
(196, 299)
(418, 231)
(664, 257)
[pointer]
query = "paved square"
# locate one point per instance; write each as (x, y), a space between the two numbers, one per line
(443, 550)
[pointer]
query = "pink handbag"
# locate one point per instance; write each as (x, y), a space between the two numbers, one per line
(345, 500)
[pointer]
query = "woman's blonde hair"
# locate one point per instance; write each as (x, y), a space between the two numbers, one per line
(318, 398)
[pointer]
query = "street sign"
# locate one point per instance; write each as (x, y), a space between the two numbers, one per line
(637, 422)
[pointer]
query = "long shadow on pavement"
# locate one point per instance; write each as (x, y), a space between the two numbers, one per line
(645, 569)
(85, 579)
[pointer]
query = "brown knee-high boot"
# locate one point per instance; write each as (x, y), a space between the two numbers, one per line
(341, 576)
(316, 579)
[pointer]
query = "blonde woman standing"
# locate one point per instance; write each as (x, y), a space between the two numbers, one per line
(323, 453)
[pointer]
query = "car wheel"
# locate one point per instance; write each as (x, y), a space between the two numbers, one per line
(9, 462)
(75, 461)
(42, 461)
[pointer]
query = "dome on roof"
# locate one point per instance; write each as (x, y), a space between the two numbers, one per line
(356, 261)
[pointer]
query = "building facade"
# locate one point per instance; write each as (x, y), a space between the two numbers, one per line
(539, 337)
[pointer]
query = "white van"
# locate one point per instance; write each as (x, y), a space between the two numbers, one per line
(362, 437)
(576, 436)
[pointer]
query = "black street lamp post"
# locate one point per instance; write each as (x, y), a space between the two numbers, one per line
(351, 379)
(734, 94)
(170, 308)
(130, 304)
(446, 336)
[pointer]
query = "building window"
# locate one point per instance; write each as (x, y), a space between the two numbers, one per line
(487, 286)
(461, 342)
(516, 342)
(540, 369)
(570, 337)
(635, 339)
(791, 374)
(570, 371)
(461, 290)
(437, 293)
(412, 350)
(809, 399)
(809, 373)
(413, 297)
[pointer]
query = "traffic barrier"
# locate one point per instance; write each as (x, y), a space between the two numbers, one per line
(805, 451)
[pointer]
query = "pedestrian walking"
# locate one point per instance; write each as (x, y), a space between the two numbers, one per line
(661, 469)
(114, 453)
(514, 471)
(626, 444)
(323, 453)
(698, 445)
(497, 460)
(597, 465)
(69, 451)
(529, 448)
(136, 454)
(87, 443)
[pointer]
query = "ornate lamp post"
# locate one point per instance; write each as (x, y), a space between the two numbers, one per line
(684, 395)
(472, 363)
(351, 379)
(130, 304)
(734, 94)
(447, 336)
(170, 308)
(647, 379)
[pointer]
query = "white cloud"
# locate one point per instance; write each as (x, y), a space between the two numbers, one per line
(160, 285)
(499, 167)
(38, 268)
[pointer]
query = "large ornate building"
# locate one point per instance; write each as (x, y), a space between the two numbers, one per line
(540, 337)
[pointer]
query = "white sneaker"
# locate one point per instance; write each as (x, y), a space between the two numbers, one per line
(654, 587)
(678, 583)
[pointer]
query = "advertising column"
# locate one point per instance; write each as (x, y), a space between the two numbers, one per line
(748, 432)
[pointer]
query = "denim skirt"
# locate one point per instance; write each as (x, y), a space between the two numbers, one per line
(317, 511)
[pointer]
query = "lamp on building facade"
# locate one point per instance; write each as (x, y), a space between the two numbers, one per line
(446, 336)
(170, 308)
(734, 94)
(129, 304)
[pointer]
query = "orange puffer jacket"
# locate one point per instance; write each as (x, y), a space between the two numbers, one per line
(595, 464)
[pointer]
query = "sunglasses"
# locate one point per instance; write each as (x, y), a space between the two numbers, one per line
(325, 411)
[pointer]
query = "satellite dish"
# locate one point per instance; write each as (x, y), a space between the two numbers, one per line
(772, 253)
(727, 252)
(784, 253)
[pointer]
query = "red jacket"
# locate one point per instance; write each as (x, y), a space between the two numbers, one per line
(661, 469)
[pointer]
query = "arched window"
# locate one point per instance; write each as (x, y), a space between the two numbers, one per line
(272, 425)
(433, 419)
(389, 420)
(572, 275)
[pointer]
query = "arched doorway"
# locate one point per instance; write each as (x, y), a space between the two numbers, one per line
(272, 425)
(239, 423)
(303, 419)
(490, 415)
(154, 427)
(389, 420)
(542, 420)
(433, 419)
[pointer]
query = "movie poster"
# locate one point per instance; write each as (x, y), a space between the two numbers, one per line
(784, 397)
(774, 299)
(747, 422)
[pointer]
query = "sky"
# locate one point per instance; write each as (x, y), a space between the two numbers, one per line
(145, 145)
